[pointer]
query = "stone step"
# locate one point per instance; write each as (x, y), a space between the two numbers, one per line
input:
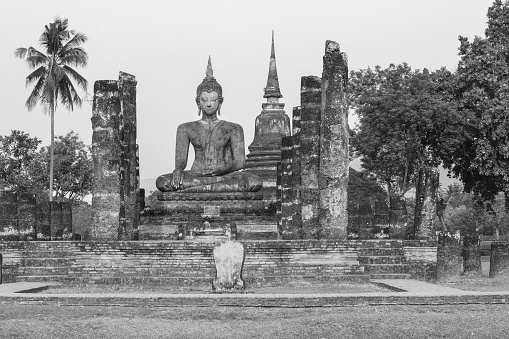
(363, 260)
(53, 277)
(381, 252)
(42, 254)
(52, 261)
(388, 268)
(44, 270)
(389, 276)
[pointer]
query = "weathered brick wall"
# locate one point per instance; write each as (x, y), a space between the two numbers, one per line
(22, 218)
(378, 220)
(187, 263)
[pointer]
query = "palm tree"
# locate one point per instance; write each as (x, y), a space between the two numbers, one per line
(53, 73)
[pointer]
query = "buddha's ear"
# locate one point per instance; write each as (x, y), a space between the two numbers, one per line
(219, 106)
(198, 104)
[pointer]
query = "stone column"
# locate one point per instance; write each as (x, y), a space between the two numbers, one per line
(129, 196)
(334, 160)
(311, 101)
(106, 157)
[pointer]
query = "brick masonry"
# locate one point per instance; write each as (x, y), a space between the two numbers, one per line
(190, 263)
(23, 218)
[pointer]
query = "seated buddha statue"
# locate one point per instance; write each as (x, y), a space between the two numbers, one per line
(218, 146)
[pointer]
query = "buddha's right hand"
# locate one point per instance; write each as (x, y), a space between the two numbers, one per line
(177, 178)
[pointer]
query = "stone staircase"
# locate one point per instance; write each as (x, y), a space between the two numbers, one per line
(384, 263)
(46, 263)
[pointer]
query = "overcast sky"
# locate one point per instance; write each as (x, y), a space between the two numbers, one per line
(166, 44)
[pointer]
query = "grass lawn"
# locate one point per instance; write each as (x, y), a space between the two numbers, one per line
(457, 321)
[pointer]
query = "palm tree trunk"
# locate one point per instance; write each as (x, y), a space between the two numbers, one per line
(52, 153)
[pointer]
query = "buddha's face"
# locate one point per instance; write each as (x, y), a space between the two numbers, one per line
(209, 102)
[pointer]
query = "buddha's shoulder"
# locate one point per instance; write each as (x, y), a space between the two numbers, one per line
(231, 125)
(189, 125)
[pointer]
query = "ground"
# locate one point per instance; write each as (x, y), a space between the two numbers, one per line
(457, 321)
(397, 321)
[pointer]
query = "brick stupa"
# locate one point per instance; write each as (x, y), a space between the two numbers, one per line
(270, 126)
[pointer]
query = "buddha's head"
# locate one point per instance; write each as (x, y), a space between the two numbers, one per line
(209, 92)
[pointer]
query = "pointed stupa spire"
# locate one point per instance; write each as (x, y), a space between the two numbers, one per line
(209, 73)
(272, 89)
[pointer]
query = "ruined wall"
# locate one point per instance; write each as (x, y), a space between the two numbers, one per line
(115, 190)
(24, 219)
(378, 220)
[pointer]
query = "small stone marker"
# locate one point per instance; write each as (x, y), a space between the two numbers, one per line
(211, 211)
(229, 259)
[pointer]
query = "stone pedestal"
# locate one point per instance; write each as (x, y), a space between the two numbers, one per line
(448, 256)
(229, 259)
(207, 217)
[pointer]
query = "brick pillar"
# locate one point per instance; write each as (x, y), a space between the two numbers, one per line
(334, 160)
(311, 101)
(106, 157)
(129, 197)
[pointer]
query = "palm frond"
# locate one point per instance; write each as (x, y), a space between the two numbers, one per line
(66, 96)
(54, 35)
(35, 96)
(36, 75)
(20, 52)
(75, 41)
(77, 57)
(69, 96)
(81, 81)
(35, 58)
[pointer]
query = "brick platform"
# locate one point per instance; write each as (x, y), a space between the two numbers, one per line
(253, 216)
(185, 263)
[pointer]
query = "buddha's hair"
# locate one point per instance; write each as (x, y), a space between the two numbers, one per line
(209, 84)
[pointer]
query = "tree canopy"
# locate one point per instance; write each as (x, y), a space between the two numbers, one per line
(404, 122)
(73, 167)
(481, 91)
(17, 153)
